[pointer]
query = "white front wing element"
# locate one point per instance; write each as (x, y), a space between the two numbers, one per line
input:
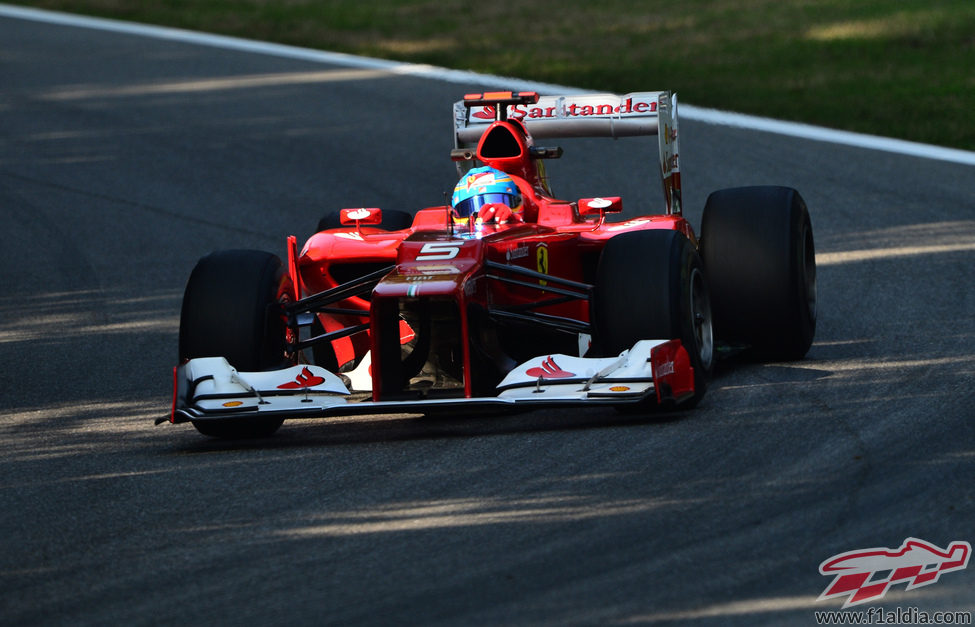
(211, 389)
(561, 377)
(209, 386)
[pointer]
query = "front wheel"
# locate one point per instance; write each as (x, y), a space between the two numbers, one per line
(651, 285)
(230, 310)
(757, 246)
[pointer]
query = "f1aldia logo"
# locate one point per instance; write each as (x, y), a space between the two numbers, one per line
(865, 575)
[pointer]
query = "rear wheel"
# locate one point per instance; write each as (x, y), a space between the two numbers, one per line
(651, 285)
(229, 311)
(757, 245)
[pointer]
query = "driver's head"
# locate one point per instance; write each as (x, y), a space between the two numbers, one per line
(484, 186)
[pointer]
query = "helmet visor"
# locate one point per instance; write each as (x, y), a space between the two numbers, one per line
(470, 206)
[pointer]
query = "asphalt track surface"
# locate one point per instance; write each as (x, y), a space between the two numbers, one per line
(124, 159)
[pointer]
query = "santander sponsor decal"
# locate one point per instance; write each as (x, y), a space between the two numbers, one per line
(561, 108)
(305, 379)
(549, 370)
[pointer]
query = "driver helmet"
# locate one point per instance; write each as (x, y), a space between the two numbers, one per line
(484, 186)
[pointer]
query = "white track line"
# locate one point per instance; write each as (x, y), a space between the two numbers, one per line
(689, 112)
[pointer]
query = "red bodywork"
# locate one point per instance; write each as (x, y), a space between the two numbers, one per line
(446, 269)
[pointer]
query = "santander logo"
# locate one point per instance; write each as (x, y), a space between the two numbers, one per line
(548, 370)
(306, 379)
(566, 108)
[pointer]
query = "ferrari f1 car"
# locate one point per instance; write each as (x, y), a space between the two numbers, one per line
(447, 310)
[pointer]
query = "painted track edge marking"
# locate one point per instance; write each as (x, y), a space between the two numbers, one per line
(689, 112)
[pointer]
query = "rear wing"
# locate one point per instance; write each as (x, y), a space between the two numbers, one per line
(590, 115)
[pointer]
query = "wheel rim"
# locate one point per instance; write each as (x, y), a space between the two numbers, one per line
(701, 318)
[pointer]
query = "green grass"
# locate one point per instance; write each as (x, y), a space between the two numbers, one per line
(900, 68)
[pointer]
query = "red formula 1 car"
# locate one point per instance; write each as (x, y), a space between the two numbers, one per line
(507, 297)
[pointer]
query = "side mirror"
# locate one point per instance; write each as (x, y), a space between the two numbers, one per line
(599, 206)
(360, 216)
(462, 154)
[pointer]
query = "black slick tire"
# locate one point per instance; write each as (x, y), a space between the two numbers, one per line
(651, 285)
(758, 249)
(228, 311)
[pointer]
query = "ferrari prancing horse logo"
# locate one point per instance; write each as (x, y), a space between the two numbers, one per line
(541, 256)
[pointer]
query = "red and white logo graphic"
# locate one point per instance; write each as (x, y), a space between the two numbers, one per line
(306, 379)
(865, 575)
(486, 113)
(581, 107)
(549, 370)
(358, 214)
(481, 179)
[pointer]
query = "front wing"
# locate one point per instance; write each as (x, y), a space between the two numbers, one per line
(210, 389)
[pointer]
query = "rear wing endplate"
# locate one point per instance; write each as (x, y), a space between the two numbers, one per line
(589, 115)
